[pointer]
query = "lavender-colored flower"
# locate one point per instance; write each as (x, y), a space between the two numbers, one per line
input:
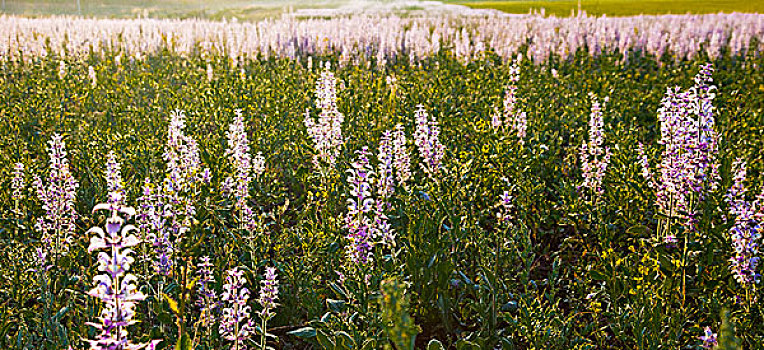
(171, 203)
(426, 139)
(114, 185)
(746, 232)
(269, 292)
(689, 161)
(238, 153)
(386, 180)
(594, 158)
(235, 324)
(645, 164)
(206, 293)
(360, 206)
(57, 197)
(505, 203)
(326, 131)
(116, 287)
(151, 220)
(511, 117)
(401, 159)
(92, 77)
(708, 338)
(17, 182)
(61, 70)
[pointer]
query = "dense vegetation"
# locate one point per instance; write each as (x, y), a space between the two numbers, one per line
(557, 267)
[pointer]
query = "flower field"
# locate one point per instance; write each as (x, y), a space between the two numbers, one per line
(362, 182)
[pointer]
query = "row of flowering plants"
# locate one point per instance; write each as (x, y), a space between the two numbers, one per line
(202, 203)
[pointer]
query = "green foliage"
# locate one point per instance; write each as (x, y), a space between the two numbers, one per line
(562, 272)
(400, 328)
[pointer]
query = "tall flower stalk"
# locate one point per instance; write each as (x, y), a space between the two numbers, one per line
(360, 208)
(426, 139)
(114, 185)
(326, 131)
(594, 158)
(269, 292)
(385, 156)
(245, 166)
(688, 169)
(57, 197)
(207, 297)
(746, 231)
(401, 160)
(235, 324)
(115, 287)
(511, 118)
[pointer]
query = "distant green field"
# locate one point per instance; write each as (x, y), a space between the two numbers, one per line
(621, 7)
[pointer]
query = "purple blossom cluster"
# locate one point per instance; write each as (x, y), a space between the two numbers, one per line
(511, 117)
(115, 287)
(505, 204)
(238, 154)
(594, 158)
(366, 220)
(57, 196)
(708, 338)
(426, 139)
(746, 231)
(689, 161)
(151, 219)
(326, 131)
(645, 164)
(114, 185)
(17, 182)
(167, 210)
(269, 292)
(401, 160)
(206, 294)
(244, 166)
(235, 324)
(360, 207)
(386, 180)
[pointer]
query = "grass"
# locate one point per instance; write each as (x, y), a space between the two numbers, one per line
(621, 7)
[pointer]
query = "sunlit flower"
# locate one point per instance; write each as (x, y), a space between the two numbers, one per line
(115, 287)
(235, 324)
(426, 139)
(594, 158)
(57, 197)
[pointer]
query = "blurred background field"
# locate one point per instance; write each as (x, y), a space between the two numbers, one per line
(621, 7)
(260, 9)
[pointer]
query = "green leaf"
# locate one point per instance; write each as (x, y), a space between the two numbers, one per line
(184, 342)
(304, 332)
(638, 230)
(435, 344)
(336, 305)
(60, 313)
(597, 276)
(165, 318)
(337, 289)
(173, 304)
(466, 345)
(324, 341)
(344, 340)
